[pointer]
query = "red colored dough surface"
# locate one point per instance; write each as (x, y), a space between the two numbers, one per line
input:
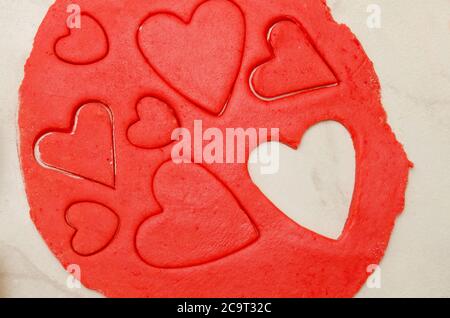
(98, 105)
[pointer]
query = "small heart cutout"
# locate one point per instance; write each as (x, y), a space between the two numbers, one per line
(95, 226)
(87, 151)
(295, 66)
(155, 126)
(85, 45)
(200, 58)
(201, 220)
(314, 184)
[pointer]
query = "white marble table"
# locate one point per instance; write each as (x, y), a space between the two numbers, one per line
(411, 52)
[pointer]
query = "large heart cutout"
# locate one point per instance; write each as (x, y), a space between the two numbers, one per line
(295, 66)
(200, 58)
(201, 220)
(313, 185)
(87, 151)
(84, 45)
(95, 226)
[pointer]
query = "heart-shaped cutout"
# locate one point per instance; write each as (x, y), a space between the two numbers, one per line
(313, 185)
(295, 66)
(95, 226)
(201, 220)
(84, 45)
(156, 123)
(200, 58)
(87, 151)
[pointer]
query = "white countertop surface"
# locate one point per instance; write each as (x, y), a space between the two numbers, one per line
(411, 53)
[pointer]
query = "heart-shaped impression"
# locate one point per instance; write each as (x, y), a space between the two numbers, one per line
(85, 45)
(314, 184)
(87, 151)
(95, 226)
(201, 220)
(295, 66)
(200, 58)
(155, 126)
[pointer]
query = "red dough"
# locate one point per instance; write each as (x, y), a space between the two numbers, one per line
(98, 108)
(209, 47)
(197, 224)
(296, 65)
(87, 150)
(94, 227)
(85, 45)
(155, 125)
